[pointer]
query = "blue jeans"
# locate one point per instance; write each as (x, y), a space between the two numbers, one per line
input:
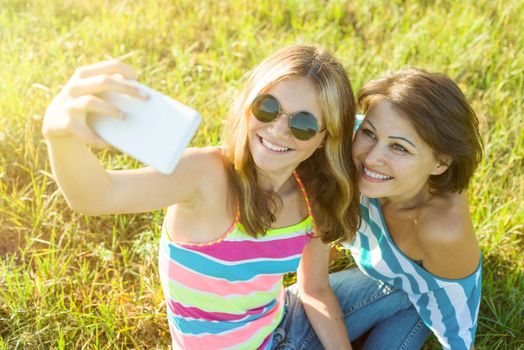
(367, 305)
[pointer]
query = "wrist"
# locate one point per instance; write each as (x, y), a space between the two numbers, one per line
(54, 139)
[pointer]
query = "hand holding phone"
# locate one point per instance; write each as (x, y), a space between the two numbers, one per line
(154, 131)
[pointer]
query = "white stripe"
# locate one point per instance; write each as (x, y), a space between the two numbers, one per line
(437, 325)
(406, 264)
(459, 301)
(380, 264)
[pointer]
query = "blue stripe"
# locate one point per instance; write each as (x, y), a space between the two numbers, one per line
(233, 273)
(365, 262)
(359, 118)
(423, 309)
(196, 327)
(389, 256)
(474, 302)
(449, 319)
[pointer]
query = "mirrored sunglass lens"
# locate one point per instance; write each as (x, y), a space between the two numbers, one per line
(304, 125)
(266, 108)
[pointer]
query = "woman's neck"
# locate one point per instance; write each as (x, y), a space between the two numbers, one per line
(408, 200)
(275, 182)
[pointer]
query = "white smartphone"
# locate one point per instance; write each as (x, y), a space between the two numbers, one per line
(154, 131)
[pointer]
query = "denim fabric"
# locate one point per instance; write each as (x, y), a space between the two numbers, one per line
(367, 305)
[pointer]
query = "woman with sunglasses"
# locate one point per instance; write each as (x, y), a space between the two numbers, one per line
(415, 152)
(240, 216)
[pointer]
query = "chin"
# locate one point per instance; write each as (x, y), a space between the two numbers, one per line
(369, 191)
(267, 166)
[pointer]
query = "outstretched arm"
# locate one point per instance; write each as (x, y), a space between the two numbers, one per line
(87, 186)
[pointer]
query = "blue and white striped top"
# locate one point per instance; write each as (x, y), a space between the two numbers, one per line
(449, 307)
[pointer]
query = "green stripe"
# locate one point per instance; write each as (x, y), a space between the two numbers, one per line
(255, 341)
(303, 226)
(215, 303)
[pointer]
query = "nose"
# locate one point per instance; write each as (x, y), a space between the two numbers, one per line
(280, 126)
(375, 155)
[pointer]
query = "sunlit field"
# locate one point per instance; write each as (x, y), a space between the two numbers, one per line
(68, 281)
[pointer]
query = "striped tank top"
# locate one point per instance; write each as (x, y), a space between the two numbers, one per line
(449, 307)
(229, 293)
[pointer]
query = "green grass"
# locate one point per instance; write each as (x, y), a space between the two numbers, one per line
(70, 281)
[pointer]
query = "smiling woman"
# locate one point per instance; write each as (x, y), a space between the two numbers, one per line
(393, 159)
(271, 147)
(415, 151)
(238, 217)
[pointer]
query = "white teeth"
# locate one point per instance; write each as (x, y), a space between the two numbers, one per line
(273, 147)
(375, 175)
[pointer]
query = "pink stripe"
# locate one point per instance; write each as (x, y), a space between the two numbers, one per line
(220, 287)
(266, 342)
(213, 341)
(196, 313)
(245, 250)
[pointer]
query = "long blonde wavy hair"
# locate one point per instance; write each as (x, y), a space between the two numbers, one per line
(329, 174)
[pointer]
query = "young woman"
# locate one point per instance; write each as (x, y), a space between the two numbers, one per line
(241, 216)
(415, 151)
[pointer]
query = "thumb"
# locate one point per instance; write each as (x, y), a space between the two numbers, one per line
(84, 132)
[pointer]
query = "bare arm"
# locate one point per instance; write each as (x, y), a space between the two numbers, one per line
(87, 186)
(78, 173)
(320, 303)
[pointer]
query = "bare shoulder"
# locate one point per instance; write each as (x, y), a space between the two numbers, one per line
(204, 167)
(447, 237)
(201, 159)
(209, 166)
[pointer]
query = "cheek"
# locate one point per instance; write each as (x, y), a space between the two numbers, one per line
(354, 152)
(252, 123)
(252, 128)
(410, 170)
(308, 147)
(358, 147)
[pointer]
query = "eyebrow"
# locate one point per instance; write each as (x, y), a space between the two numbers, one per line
(392, 137)
(370, 123)
(403, 139)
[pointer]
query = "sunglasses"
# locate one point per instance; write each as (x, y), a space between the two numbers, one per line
(303, 125)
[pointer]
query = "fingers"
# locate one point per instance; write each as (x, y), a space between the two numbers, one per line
(94, 104)
(84, 132)
(66, 115)
(104, 83)
(108, 68)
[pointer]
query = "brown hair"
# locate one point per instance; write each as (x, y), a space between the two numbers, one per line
(329, 174)
(440, 113)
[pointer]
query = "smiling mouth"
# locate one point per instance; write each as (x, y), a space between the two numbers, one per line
(376, 176)
(272, 147)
